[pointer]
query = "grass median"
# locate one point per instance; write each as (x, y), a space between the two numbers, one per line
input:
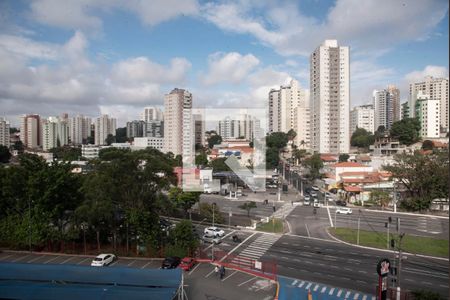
(274, 225)
(412, 244)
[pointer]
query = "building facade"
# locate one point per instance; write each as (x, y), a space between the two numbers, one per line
(104, 125)
(387, 106)
(136, 128)
(4, 132)
(330, 98)
(30, 131)
(435, 88)
(362, 117)
(79, 129)
(151, 113)
(427, 112)
(55, 133)
(152, 142)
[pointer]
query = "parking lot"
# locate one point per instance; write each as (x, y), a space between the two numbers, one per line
(200, 283)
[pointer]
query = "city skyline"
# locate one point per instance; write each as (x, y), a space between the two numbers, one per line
(89, 63)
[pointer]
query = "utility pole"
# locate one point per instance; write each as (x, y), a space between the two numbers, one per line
(395, 197)
(359, 219)
(212, 245)
(400, 237)
(29, 223)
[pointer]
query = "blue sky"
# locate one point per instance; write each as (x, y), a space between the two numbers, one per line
(111, 56)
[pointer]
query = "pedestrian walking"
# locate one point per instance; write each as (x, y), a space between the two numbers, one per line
(216, 270)
(222, 272)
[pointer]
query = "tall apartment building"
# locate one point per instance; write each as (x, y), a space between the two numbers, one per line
(435, 88)
(302, 126)
(427, 112)
(404, 109)
(4, 132)
(151, 113)
(154, 129)
(240, 126)
(330, 98)
(178, 129)
(30, 131)
(362, 117)
(199, 129)
(55, 133)
(136, 129)
(282, 103)
(104, 126)
(387, 106)
(79, 129)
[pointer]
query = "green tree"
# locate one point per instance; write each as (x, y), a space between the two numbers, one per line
(183, 237)
(110, 139)
(380, 197)
(66, 153)
(427, 145)
(121, 135)
(219, 165)
(299, 154)
(201, 159)
(5, 155)
(206, 211)
(343, 157)
(291, 134)
(183, 200)
(406, 131)
(277, 140)
(272, 158)
(18, 145)
(13, 130)
(423, 177)
(112, 153)
(248, 206)
(214, 140)
(314, 165)
(362, 138)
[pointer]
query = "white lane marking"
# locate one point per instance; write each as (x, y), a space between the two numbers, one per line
(192, 271)
(356, 296)
(323, 289)
(331, 292)
(113, 263)
(70, 258)
(132, 262)
(34, 259)
(229, 275)
(143, 267)
(209, 274)
(222, 238)
(308, 286)
(234, 249)
(364, 272)
(329, 216)
(301, 284)
(83, 261)
(20, 258)
(51, 259)
(247, 281)
(294, 282)
(307, 230)
(339, 293)
(5, 257)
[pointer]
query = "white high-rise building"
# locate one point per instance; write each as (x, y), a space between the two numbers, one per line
(362, 117)
(387, 106)
(104, 126)
(4, 132)
(178, 127)
(30, 131)
(79, 129)
(151, 113)
(330, 98)
(302, 127)
(55, 133)
(436, 89)
(427, 112)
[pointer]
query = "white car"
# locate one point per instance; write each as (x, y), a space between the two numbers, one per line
(103, 260)
(214, 231)
(344, 210)
(211, 239)
(316, 203)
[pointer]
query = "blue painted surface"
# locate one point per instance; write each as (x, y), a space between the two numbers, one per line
(295, 289)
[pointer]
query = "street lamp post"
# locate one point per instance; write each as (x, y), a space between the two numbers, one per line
(29, 223)
(83, 227)
(212, 245)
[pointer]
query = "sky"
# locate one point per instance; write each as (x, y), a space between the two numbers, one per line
(108, 56)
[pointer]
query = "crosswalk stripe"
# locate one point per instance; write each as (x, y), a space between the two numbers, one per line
(323, 289)
(331, 292)
(316, 287)
(339, 293)
(301, 284)
(294, 282)
(364, 297)
(346, 295)
(373, 298)
(308, 286)
(356, 296)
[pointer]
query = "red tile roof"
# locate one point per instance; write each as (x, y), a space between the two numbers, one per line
(352, 188)
(348, 164)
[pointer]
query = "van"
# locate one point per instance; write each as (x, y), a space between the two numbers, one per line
(315, 188)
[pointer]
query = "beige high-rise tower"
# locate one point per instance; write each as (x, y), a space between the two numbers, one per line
(330, 98)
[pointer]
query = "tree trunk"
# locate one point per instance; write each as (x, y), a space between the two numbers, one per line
(98, 240)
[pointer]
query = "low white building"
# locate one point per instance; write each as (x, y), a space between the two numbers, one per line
(152, 142)
(91, 151)
(342, 167)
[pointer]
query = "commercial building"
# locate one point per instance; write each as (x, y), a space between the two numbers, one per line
(178, 129)
(4, 132)
(154, 128)
(30, 131)
(362, 117)
(427, 112)
(136, 128)
(330, 98)
(104, 126)
(199, 129)
(55, 133)
(387, 106)
(435, 88)
(79, 129)
(152, 142)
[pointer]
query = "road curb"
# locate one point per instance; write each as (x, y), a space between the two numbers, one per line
(384, 250)
(78, 255)
(406, 213)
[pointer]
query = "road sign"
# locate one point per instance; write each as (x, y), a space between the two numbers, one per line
(383, 267)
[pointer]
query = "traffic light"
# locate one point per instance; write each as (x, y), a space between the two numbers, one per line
(274, 208)
(392, 243)
(393, 271)
(390, 220)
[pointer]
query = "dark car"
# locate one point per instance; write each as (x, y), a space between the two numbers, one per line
(170, 262)
(165, 224)
(341, 203)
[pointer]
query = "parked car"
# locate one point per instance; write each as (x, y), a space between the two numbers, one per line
(316, 203)
(344, 210)
(211, 239)
(214, 231)
(315, 188)
(313, 194)
(341, 203)
(103, 260)
(306, 202)
(165, 224)
(170, 262)
(187, 263)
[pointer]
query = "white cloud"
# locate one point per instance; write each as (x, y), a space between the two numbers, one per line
(229, 67)
(364, 25)
(435, 71)
(25, 47)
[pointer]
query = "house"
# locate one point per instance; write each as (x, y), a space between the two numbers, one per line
(328, 159)
(339, 168)
(387, 146)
